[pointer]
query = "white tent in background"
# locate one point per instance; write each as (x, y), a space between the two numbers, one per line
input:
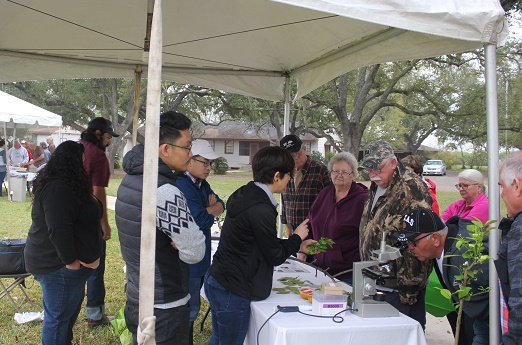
(251, 47)
(248, 47)
(15, 112)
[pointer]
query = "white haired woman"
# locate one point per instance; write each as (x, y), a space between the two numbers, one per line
(336, 214)
(474, 202)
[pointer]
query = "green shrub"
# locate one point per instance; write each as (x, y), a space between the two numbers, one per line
(220, 166)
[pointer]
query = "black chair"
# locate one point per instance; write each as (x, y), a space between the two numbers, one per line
(19, 281)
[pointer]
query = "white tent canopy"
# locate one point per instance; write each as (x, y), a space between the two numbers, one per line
(247, 46)
(19, 113)
(251, 47)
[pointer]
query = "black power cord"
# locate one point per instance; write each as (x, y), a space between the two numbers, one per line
(263, 325)
(291, 309)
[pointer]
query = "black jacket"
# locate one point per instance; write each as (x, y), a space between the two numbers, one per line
(249, 248)
(171, 266)
(64, 229)
(478, 306)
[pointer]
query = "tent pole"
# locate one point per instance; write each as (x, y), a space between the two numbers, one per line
(494, 192)
(137, 91)
(280, 229)
(146, 329)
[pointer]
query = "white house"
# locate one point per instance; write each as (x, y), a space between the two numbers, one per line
(237, 142)
(59, 136)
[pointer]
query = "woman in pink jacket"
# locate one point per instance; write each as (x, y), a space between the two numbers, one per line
(474, 202)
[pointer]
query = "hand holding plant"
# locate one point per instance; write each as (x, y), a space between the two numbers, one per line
(320, 246)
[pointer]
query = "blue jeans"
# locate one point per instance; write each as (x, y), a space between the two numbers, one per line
(172, 326)
(195, 285)
(2, 177)
(96, 290)
(230, 314)
(481, 330)
(63, 292)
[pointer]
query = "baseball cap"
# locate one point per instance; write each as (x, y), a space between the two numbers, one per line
(418, 221)
(374, 153)
(204, 149)
(103, 125)
(291, 143)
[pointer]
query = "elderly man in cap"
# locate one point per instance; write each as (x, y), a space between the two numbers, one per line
(310, 177)
(429, 239)
(394, 191)
(204, 205)
(509, 263)
(95, 139)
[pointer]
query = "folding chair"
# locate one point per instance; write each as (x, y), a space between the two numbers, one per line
(19, 280)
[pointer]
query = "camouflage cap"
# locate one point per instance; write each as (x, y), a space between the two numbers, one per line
(374, 153)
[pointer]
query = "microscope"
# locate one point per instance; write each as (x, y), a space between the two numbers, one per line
(367, 302)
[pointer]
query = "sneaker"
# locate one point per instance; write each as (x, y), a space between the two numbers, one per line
(104, 321)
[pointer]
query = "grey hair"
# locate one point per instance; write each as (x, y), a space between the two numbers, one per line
(474, 176)
(443, 232)
(344, 156)
(51, 138)
(511, 168)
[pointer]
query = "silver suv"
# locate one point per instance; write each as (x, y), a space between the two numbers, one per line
(434, 167)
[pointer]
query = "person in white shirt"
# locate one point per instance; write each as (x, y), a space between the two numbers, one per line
(17, 154)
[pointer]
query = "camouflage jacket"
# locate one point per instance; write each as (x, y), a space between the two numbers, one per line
(405, 192)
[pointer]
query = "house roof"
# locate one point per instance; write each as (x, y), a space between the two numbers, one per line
(231, 130)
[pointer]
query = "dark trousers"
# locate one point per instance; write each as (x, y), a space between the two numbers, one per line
(416, 311)
(96, 290)
(172, 325)
(466, 327)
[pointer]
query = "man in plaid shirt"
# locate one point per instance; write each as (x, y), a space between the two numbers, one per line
(310, 177)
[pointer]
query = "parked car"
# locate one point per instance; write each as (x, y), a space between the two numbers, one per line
(434, 167)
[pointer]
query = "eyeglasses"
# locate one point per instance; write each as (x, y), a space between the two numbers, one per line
(379, 169)
(414, 242)
(342, 173)
(205, 163)
(188, 148)
(464, 186)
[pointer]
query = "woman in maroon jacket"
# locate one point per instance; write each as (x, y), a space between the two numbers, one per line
(336, 214)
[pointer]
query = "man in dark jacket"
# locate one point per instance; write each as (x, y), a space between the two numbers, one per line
(509, 263)
(204, 205)
(179, 241)
(428, 238)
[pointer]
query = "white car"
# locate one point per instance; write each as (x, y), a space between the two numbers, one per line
(434, 167)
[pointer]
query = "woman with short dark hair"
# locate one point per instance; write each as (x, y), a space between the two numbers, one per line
(249, 249)
(65, 241)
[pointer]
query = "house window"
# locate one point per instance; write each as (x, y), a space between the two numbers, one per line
(244, 148)
(308, 146)
(229, 147)
(212, 144)
(328, 148)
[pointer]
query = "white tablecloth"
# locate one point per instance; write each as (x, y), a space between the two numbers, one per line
(298, 329)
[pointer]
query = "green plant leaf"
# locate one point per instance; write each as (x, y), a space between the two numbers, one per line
(446, 293)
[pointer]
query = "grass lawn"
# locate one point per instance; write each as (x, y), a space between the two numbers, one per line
(16, 220)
